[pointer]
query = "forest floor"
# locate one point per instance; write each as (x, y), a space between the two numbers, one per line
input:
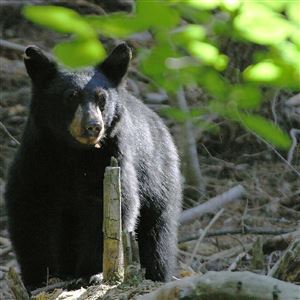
(227, 158)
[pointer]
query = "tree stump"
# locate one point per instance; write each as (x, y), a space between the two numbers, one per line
(113, 270)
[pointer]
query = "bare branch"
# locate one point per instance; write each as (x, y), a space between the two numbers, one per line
(12, 46)
(293, 133)
(211, 205)
(203, 233)
(242, 230)
(8, 133)
(280, 242)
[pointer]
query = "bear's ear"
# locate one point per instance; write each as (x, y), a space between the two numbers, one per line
(115, 66)
(39, 67)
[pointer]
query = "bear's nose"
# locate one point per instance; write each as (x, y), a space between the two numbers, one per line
(93, 128)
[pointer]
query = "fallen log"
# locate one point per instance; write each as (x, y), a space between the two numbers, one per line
(226, 286)
(211, 205)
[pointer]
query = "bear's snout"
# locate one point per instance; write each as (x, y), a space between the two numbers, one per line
(93, 129)
(87, 126)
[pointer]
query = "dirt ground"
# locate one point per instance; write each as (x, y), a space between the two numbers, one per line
(227, 158)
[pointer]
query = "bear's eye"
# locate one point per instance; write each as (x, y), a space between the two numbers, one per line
(71, 97)
(100, 99)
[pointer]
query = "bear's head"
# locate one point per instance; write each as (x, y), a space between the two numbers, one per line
(76, 107)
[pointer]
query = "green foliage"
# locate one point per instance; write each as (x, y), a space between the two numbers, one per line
(58, 18)
(84, 49)
(188, 52)
(266, 130)
(80, 52)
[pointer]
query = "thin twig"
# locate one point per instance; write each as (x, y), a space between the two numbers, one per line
(293, 133)
(272, 148)
(273, 106)
(203, 233)
(57, 285)
(8, 133)
(233, 266)
(243, 230)
(277, 153)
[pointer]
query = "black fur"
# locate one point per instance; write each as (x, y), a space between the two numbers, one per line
(54, 189)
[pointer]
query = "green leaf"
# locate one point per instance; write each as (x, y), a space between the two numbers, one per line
(154, 65)
(293, 12)
(245, 97)
(188, 33)
(121, 25)
(296, 38)
(180, 115)
(263, 72)
(278, 5)
(195, 15)
(117, 25)
(60, 19)
(213, 83)
(203, 4)
(289, 53)
(80, 53)
(204, 51)
(231, 5)
(259, 24)
(174, 114)
(154, 60)
(208, 126)
(221, 63)
(208, 54)
(266, 129)
(156, 13)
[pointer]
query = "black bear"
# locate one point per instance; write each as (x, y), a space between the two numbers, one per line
(77, 122)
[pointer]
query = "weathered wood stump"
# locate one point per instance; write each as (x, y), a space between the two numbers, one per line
(113, 270)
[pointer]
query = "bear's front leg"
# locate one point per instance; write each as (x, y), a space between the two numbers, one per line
(34, 233)
(90, 239)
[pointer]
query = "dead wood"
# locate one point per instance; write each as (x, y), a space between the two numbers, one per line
(226, 286)
(12, 46)
(211, 205)
(113, 270)
(233, 231)
(258, 254)
(288, 266)
(280, 242)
